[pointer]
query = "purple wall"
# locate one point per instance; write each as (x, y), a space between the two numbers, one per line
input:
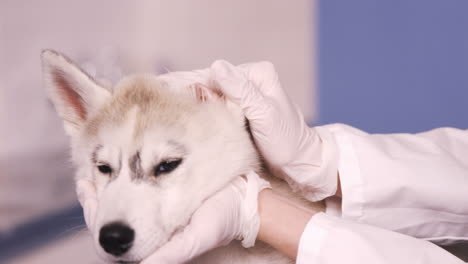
(394, 66)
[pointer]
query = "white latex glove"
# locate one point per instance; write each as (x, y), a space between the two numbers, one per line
(86, 192)
(230, 214)
(306, 155)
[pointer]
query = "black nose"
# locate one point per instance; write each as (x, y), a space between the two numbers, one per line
(116, 238)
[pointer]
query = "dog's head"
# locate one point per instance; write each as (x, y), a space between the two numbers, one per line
(154, 151)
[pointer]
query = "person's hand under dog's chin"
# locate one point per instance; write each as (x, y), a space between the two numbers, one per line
(230, 214)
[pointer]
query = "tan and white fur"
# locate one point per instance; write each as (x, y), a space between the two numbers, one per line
(139, 124)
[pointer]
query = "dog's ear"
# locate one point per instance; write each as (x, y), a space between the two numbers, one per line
(74, 93)
(204, 93)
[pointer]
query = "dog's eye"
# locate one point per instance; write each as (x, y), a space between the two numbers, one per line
(166, 166)
(105, 169)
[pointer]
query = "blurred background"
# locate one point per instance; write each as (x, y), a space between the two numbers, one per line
(382, 66)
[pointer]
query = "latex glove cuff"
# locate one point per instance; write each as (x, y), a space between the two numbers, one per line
(314, 173)
(250, 218)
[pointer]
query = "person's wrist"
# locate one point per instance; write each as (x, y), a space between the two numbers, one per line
(265, 218)
(282, 222)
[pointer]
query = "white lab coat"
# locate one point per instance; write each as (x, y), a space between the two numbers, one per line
(399, 192)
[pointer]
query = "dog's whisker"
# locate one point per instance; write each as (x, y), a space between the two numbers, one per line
(166, 69)
(77, 234)
(72, 218)
(73, 230)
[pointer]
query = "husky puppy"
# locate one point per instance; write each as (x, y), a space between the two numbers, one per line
(155, 152)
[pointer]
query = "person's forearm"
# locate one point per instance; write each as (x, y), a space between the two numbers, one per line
(282, 222)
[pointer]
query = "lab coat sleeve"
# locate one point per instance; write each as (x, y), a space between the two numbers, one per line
(330, 240)
(414, 184)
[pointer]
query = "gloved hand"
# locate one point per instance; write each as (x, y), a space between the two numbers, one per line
(86, 192)
(228, 215)
(305, 155)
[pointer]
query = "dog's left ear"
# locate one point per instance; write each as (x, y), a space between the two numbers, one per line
(204, 93)
(212, 92)
(74, 93)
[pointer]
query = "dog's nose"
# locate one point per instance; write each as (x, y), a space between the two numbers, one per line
(116, 238)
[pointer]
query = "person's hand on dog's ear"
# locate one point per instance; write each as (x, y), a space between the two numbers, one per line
(230, 214)
(302, 154)
(86, 192)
